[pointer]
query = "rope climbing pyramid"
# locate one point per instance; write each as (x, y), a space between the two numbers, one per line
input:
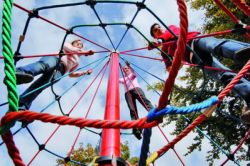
(86, 104)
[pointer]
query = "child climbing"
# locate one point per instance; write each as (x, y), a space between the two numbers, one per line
(50, 68)
(206, 49)
(133, 92)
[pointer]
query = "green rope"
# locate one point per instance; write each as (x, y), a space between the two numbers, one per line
(9, 67)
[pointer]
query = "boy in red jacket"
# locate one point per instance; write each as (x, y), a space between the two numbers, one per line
(206, 49)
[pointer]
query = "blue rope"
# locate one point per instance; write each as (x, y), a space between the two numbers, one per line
(154, 113)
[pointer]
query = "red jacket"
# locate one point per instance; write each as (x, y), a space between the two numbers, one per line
(167, 36)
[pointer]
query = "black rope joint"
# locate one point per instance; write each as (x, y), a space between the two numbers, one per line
(231, 157)
(34, 13)
(69, 31)
(91, 3)
(58, 97)
(25, 124)
(17, 56)
(103, 25)
(140, 5)
(41, 147)
(66, 115)
(66, 159)
(61, 53)
(129, 25)
(239, 28)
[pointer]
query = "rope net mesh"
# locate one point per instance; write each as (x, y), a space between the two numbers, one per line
(71, 105)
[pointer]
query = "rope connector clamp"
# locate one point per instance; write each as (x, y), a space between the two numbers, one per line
(91, 3)
(34, 13)
(239, 28)
(140, 5)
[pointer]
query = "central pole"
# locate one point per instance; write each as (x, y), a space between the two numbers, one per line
(110, 144)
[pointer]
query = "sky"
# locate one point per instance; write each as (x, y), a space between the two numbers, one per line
(44, 38)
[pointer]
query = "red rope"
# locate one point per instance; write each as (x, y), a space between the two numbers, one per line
(141, 56)
(228, 12)
(78, 122)
(87, 88)
(53, 54)
(57, 25)
(48, 139)
(74, 144)
(137, 49)
(242, 5)
(181, 47)
(86, 115)
(211, 68)
(12, 149)
(184, 63)
(177, 155)
(238, 147)
(230, 86)
(185, 132)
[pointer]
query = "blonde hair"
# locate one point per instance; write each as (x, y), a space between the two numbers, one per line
(75, 41)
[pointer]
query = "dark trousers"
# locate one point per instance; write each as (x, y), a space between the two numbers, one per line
(136, 94)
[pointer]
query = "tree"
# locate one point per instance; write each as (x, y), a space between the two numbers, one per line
(87, 154)
(216, 19)
(198, 87)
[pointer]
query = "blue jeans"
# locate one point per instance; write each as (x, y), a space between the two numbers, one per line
(220, 48)
(242, 88)
(208, 47)
(45, 66)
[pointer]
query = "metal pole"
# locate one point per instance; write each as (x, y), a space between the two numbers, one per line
(110, 144)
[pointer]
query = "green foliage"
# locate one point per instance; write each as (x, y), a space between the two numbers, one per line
(82, 155)
(133, 160)
(216, 19)
(86, 155)
(125, 154)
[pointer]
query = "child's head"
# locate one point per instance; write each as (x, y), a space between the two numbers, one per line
(126, 70)
(77, 43)
(156, 30)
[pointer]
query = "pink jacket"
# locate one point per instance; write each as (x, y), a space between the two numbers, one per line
(71, 62)
(130, 82)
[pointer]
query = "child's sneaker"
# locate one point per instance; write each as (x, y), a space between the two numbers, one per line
(243, 54)
(22, 78)
(137, 133)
